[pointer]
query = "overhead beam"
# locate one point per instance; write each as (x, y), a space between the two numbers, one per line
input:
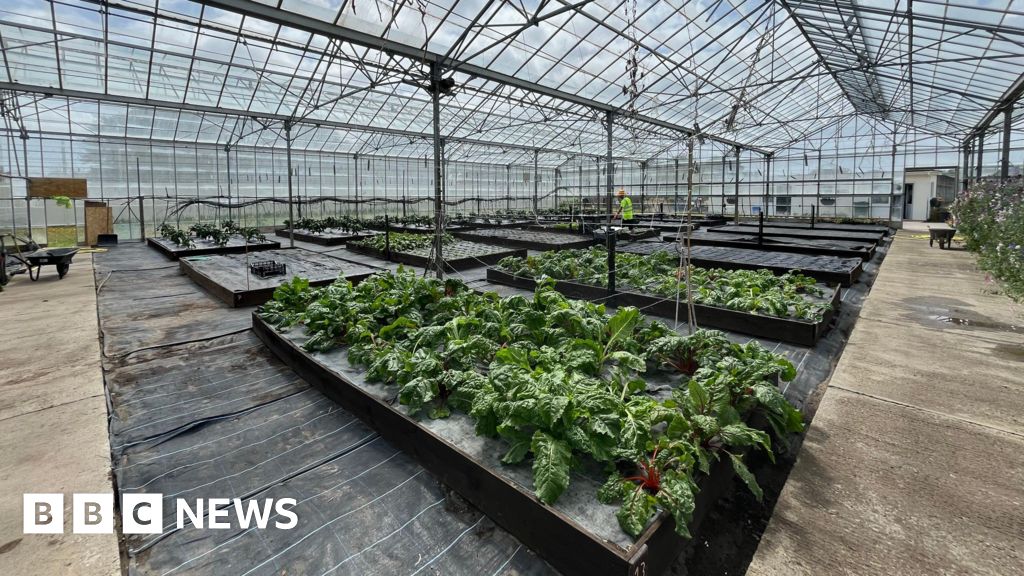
(200, 108)
(1007, 100)
(314, 26)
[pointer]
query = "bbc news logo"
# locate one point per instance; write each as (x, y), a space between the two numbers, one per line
(144, 513)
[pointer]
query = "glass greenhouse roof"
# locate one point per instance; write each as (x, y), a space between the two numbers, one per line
(529, 74)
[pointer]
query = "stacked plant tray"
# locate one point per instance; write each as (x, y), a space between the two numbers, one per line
(792, 330)
(458, 255)
(325, 238)
(201, 247)
(577, 535)
(829, 269)
(231, 278)
(529, 239)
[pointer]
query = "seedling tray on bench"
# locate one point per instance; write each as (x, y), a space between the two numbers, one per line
(236, 245)
(790, 330)
(578, 535)
(458, 255)
(529, 239)
(326, 238)
(230, 278)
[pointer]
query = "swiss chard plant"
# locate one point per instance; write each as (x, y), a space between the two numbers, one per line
(559, 381)
(790, 295)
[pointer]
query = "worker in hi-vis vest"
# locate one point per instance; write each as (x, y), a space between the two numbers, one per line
(625, 207)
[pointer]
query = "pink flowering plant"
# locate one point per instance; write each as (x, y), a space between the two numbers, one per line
(990, 217)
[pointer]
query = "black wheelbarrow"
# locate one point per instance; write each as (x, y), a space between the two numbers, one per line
(59, 257)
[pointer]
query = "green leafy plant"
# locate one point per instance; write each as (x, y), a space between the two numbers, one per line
(558, 380)
(401, 241)
(62, 201)
(790, 295)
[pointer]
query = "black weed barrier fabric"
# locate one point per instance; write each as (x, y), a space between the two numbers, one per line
(199, 409)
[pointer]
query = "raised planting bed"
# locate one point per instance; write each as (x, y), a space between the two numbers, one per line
(203, 247)
(817, 233)
(839, 248)
(829, 269)
(458, 254)
(414, 228)
(325, 238)
(544, 474)
(627, 234)
(819, 225)
(801, 332)
(235, 278)
(789, 307)
(529, 239)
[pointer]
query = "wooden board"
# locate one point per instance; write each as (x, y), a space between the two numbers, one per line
(50, 187)
(99, 219)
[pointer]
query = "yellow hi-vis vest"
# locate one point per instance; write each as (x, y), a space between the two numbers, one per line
(627, 208)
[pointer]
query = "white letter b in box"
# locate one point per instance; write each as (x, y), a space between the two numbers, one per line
(93, 514)
(43, 514)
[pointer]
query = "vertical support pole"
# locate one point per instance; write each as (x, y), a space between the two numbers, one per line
(760, 229)
(767, 183)
(675, 181)
(892, 177)
(536, 180)
(609, 233)
(1004, 165)
(689, 177)
(981, 155)
(227, 152)
(142, 217)
(817, 193)
(967, 167)
(435, 85)
(355, 162)
(291, 205)
(28, 199)
(643, 185)
(558, 182)
(142, 202)
(736, 189)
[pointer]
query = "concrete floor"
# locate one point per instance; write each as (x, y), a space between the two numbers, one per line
(53, 419)
(914, 462)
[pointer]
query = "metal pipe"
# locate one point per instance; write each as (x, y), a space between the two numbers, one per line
(609, 233)
(1004, 167)
(435, 82)
(981, 155)
(736, 190)
(291, 205)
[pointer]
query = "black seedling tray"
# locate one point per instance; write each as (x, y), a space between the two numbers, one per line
(204, 247)
(816, 233)
(827, 269)
(459, 255)
(325, 239)
(842, 249)
(471, 466)
(789, 330)
(529, 239)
